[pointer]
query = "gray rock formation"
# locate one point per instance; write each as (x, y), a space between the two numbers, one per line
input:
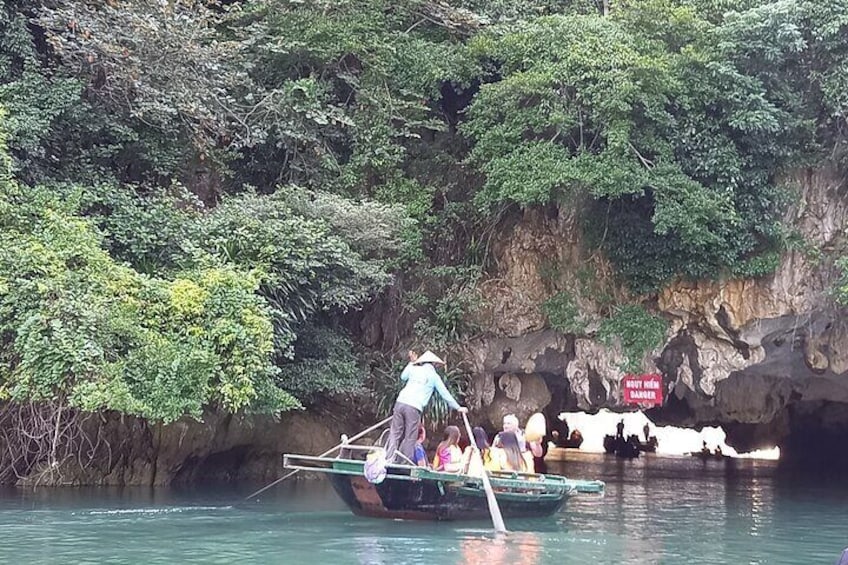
(765, 358)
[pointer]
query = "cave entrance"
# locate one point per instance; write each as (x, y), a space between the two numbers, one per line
(673, 441)
(218, 467)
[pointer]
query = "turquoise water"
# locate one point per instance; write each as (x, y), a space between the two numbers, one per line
(655, 510)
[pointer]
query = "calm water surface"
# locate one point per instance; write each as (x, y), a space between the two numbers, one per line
(656, 510)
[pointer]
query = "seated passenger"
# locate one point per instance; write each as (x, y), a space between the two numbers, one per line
(448, 456)
(470, 463)
(510, 424)
(420, 454)
(510, 457)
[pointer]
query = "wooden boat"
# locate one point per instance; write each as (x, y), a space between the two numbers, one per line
(649, 446)
(558, 454)
(628, 449)
(574, 441)
(416, 493)
(710, 456)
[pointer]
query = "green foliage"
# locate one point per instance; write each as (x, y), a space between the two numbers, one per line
(373, 65)
(304, 261)
(664, 108)
(570, 87)
(563, 314)
(289, 158)
(637, 331)
(448, 314)
(841, 286)
(371, 228)
(324, 363)
(311, 252)
(227, 296)
(64, 122)
(795, 241)
(153, 63)
(148, 232)
(83, 327)
(503, 11)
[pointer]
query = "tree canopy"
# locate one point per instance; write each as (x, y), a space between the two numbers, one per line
(195, 193)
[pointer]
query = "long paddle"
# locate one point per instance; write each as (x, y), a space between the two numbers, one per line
(494, 509)
(326, 453)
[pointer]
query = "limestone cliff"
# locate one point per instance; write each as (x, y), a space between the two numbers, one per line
(766, 358)
(221, 447)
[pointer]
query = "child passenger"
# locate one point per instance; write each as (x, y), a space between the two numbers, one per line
(420, 454)
(448, 456)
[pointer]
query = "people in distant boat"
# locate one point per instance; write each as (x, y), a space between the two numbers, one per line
(510, 425)
(510, 456)
(448, 455)
(646, 429)
(718, 450)
(557, 439)
(559, 432)
(574, 440)
(704, 449)
(421, 380)
(420, 454)
(619, 429)
(475, 466)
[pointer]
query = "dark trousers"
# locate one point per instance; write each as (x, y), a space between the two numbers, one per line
(403, 432)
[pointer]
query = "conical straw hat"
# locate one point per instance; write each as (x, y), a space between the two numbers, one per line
(429, 357)
(535, 428)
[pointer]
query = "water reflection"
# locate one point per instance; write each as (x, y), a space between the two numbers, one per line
(369, 550)
(515, 548)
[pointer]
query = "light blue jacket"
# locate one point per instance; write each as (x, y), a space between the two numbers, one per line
(421, 380)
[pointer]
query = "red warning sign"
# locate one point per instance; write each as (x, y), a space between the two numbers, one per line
(643, 389)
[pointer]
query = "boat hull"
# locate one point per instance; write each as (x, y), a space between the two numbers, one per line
(435, 500)
(710, 456)
(571, 443)
(628, 448)
(417, 493)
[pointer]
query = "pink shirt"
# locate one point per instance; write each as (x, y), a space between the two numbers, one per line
(450, 455)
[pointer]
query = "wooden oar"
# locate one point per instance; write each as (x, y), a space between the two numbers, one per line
(494, 509)
(326, 453)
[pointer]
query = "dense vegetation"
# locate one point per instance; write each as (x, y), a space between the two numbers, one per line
(195, 193)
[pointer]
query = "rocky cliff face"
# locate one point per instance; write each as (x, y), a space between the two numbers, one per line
(765, 358)
(131, 451)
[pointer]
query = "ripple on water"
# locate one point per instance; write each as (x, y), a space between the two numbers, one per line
(654, 511)
(151, 511)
